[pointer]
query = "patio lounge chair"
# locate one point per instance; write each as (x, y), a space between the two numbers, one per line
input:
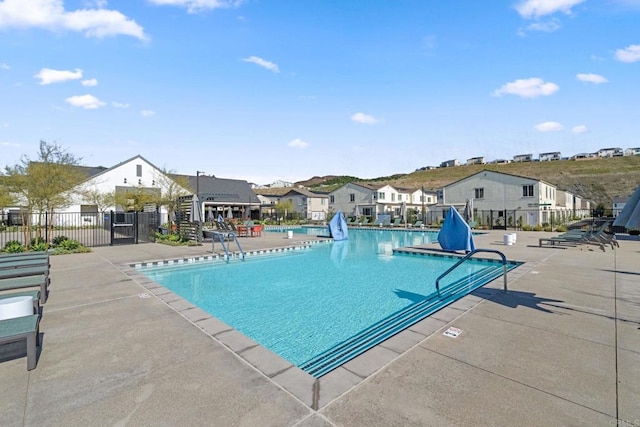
(364, 221)
(418, 224)
(572, 239)
(22, 328)
(26, 277)
(396, 222)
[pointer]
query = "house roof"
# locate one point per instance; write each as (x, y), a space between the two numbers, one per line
(499, 173)
(221, 190)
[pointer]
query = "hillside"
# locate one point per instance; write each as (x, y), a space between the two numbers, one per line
(596, 179)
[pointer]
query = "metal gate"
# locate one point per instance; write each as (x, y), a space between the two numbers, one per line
(133, 227)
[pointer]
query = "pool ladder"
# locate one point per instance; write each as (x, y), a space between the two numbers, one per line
(222, 237)
(468, 256)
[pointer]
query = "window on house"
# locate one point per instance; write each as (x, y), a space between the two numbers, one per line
(399, 197)
(479, 193)
(393, 197)
(323, 202)
(138, 170)
(332, 199)
(381, 196)
(352, 197)
(527, 191)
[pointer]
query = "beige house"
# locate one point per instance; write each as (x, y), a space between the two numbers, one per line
(527, 200)
(359, 199)
(306, 204)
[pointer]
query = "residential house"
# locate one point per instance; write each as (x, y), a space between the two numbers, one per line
(610, 152)
(584, 156)
(306, 204)
(568, 204)
(281, 184)
(523, 158)
(134, 174)
(527, 200)
(450, 163)
(546, 157)
(632, 151)
(217, 196)
(476, 161)
(618, 204)
(376, 201)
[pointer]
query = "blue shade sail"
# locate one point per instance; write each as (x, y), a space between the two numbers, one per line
(455, 234)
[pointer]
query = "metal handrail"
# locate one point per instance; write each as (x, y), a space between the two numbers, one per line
(221, 237)
(469, 255)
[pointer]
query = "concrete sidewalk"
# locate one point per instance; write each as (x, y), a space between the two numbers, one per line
(561, 347)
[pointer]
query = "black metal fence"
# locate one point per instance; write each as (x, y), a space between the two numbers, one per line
(89, 229)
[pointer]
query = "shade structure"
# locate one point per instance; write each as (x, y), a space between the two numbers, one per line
(468, 210)
(455, 234)
(196, 212)
(338, 227)
(629, 217)
(403, 211)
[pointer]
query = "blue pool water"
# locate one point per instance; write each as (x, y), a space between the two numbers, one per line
(303, 304)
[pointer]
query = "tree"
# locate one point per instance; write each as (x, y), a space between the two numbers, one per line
(136, 198)
(102, 200)
(44, 184)
(172, 187)
(284, 208)
(6, 200)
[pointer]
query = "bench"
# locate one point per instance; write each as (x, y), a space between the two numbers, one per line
(23, 328)
(27, 282)
(35, 295)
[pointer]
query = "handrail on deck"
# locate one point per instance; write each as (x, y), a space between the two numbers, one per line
(221, 238)
(469, 255)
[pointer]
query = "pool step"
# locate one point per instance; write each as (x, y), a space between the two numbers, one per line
(370, 337)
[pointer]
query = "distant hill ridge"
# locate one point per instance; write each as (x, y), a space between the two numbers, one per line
(599, 179)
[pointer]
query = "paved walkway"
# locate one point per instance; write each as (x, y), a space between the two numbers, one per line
(562, 347)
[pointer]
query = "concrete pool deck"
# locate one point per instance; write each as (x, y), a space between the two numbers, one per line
(561, 347)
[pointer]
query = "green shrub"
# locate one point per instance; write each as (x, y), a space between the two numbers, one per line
(36, 241)
(537, 227)
(525, 227)
(39, 247)
(561, 228)
(13, 247)
(58, 240)
(69, 245)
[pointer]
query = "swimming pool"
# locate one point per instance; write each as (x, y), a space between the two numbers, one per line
(322, 306)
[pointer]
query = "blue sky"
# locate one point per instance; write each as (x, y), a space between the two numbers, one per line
(272, 89)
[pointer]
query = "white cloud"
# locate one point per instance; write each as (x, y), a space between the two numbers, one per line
(147, 113)
(591, 78)
(527, 88)
(4, 66)
(298, 143)
(579, 129)
(629, 54)
(548, 127)
(48, 76)
(545, 27)
(194, 6)
(88, 102)
(530, 9)
(9, 144)
(364, 119)
(120, 105)
(89, 82)
(263, 63)
(51, 15)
